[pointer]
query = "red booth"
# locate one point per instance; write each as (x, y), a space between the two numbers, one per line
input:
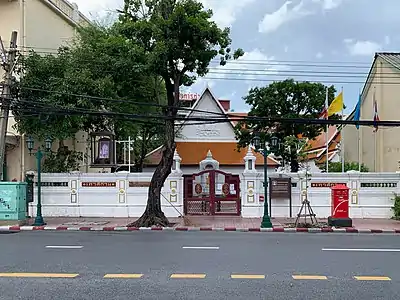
(340, 207)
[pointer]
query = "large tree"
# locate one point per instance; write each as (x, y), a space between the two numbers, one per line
(179, 40)
(284, 99)
(99, 65)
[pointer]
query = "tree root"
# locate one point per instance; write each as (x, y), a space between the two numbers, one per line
(150, 220)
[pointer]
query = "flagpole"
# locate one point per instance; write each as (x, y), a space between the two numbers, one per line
(374, 108)
(326, 133)
(342, 136)
(359, 135)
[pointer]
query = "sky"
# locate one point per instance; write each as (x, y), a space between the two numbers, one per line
(327, 41)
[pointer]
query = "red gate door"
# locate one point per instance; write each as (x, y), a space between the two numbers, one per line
(212, 192)
(226, 197)
(197, 196)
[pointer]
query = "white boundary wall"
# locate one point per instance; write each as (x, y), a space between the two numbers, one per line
(125, 195)
(104, 195)
(370, 194)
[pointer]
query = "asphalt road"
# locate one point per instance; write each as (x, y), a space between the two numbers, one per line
(266, 266)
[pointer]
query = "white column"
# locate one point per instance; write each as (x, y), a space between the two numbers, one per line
(176, 165)
(173, 190)
(250, 188)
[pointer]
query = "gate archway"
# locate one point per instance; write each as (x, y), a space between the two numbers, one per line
(212, 192)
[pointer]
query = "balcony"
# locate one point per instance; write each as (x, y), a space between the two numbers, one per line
(69, 10)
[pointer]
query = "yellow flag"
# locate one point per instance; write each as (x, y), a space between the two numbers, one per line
(336, 105)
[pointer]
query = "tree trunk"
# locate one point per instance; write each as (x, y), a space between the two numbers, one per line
(153, 215)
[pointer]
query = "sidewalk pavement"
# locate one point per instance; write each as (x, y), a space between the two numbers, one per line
(205, 223)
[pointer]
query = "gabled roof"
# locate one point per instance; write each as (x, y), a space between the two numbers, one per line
(391, 58)
(215, 99)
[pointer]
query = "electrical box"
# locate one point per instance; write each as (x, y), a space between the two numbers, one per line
(13, 200)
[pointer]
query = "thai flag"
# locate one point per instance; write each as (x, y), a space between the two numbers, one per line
(323, 114)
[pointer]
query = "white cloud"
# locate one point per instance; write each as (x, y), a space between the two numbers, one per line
(363, 48)
(249, 68)
(285, 14)
(98, 8)
(387, 40)
(286, 49)
(319, 55)
(330, 4)
(226, 11)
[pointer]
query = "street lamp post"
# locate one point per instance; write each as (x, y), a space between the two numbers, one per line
(266, 220)
(39, 156)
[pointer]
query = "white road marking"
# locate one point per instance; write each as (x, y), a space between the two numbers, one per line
(201, 248)
(64, 247)
(362, 250)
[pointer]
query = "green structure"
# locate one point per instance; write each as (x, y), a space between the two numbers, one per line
(265, 150)
(39, 154)
(13, 201)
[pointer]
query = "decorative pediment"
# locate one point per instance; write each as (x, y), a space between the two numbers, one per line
(209, 162)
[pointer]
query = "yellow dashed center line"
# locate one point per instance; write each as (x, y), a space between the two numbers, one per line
(239, 276)
(41, 275)
(373, 278)
(191, 276)
(127, 276)
(309, 277)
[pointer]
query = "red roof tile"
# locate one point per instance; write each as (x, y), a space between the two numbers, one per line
(192, 153)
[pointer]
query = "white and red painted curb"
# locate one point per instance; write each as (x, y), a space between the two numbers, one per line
(124, 228)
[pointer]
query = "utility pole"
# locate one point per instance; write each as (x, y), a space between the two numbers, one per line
(8, 62)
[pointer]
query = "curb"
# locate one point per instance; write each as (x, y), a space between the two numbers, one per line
(231, 229)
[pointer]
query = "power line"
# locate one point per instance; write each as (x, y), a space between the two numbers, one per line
(120, 101)
(240, 61)
(234, 118)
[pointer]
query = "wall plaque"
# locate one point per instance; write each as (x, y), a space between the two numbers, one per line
(280, 188)
(139, 183)
(55, 184)
(99, 184)
(198, 188)
(326, 184)
(207, 130)
(226, 189)
(378, 184)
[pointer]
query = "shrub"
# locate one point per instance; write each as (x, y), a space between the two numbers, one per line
(396, 207)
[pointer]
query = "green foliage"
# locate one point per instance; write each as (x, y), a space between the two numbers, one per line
(299, 145)
(63, 160)
(285, 99)
(100, 63)
(348, 166)
(396, 207)
(178, 37)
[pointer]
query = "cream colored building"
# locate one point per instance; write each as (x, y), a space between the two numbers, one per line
(379, 151)
(42, 25)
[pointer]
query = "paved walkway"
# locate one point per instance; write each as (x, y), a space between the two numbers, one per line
(210, 222)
